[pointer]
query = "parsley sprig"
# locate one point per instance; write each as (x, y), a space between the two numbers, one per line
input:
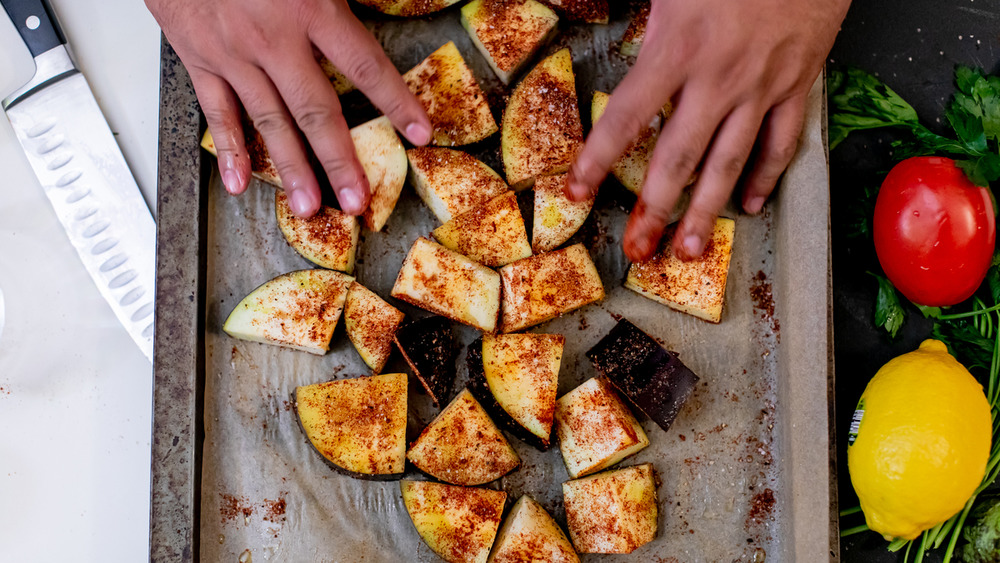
(973, 337)
(860, 101)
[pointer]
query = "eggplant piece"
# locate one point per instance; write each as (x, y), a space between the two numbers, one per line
(530, 535)
(442, 281)
(480, 389)
(463, 446)
(612, 512)
(458, 523)
(358, 425)
(428, 345)
(655, 380)
(596, 429)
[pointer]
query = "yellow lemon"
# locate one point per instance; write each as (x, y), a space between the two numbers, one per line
(919, 442)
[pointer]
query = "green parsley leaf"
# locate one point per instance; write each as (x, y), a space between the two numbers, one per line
(859, 101)
(928, 312)
(860, 211)
(889, 314)
(965, 342)
(993, 280)
(982, 170)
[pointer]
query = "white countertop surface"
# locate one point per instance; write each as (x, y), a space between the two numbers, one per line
(75, 392)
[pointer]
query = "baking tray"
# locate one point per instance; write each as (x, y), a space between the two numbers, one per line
(745, 470)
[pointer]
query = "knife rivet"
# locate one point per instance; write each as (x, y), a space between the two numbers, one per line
(68, 178)
(122, 279)
(32, 22)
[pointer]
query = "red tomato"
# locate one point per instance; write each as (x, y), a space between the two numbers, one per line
(934, 231)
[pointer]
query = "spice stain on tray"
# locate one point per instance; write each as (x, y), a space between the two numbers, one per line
(274, 510)
(761, 506)
(763, 300)
(233, 508)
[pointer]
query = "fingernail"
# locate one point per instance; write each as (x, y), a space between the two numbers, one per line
(578, 191)
(231, 177)
(638, 248)
(692, 245)
(754, 205)
(351, 201)
(231, 180)
(645, 246)
(302, 203)
(418, 134)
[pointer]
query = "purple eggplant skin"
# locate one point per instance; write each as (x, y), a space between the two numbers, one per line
(481, 391)
(654, 380)
(428, 346)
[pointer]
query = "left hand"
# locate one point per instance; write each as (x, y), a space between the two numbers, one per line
(738, 73)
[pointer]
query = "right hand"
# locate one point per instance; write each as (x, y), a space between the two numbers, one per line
(260, 53)
(739, 74)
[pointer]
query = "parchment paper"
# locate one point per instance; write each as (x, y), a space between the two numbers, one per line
(267, 496)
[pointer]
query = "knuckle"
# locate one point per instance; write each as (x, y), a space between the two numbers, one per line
(221, 119)
(313, 118)
(625, 124)
(698, 218)
(655, 211)
(763, 180)
(682, 162)
(341, 169)
(682, 50)
(365, 69)
(727, 166)
(397, 106)
(256, 35)
(306, 10)
(272, 122)
(784, 150)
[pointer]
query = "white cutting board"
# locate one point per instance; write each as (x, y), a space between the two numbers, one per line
(75, 392)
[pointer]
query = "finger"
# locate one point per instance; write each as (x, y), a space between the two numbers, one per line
(723, 165)
(284, 143)
(779, 142)
(313, 103)
(360, 57)
(631, 107)
(678, 152)
(222, 112)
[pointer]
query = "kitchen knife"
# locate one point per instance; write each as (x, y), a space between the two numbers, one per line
(74, 155)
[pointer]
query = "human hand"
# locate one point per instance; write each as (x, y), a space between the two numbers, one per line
(260, 53)
(737, 72)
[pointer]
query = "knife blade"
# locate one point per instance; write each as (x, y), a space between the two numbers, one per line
(73, 152)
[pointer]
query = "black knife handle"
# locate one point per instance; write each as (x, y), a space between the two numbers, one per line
(36, 23)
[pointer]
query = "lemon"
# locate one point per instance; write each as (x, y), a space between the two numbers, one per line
(919, 442)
